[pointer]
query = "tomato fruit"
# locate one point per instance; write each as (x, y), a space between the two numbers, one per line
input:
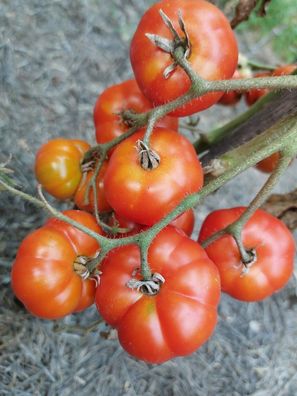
(213, 54)
(268, 164)
(79, 197)
(57, 166)
(113, 101)
(231, 97)
(184, 222)
(146, 196)
(43, 275)
(272, 243)
(177, 320)
(284, 70)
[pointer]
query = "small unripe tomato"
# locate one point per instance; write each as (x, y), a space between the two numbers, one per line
(58, 166)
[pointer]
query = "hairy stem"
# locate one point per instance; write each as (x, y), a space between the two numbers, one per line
(235, 229)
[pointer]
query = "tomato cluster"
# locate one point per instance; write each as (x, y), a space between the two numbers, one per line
(139, 181)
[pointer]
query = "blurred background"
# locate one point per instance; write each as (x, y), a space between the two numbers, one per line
(55, 58)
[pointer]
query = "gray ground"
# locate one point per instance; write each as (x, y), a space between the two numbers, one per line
(55, 57)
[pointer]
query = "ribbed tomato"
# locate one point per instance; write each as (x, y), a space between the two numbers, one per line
(146, 196)
(273, 246)
(44, 275)
(176, 320)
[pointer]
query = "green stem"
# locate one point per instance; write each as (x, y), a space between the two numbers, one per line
(260, 66)
(265, 191)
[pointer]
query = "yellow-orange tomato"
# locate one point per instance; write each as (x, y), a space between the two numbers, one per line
(57, 166)
(79, 197)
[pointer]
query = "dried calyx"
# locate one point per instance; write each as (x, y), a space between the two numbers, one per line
(170, 46)
(148, 158)
(149, 287)
(248, 264)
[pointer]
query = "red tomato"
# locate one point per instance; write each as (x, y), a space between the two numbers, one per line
(231, 97)
(284, 70)
(177, 320)
(79, 197)
(253, 95)
(272, 242)
(184, 222)
(268, 164)
(146, 196)
(213, 52)
(43, 276)
(114, 100)
(57, 166)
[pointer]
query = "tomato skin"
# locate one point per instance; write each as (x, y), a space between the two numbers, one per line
(274, 246)
(57, 166)
(177, 320)
(43, 277)
(146, 196)
(185, 222)
(79, 197)
(114, 100)
(284, 70)
(214, 52)
(268, 164)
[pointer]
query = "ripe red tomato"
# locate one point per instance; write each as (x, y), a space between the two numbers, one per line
(57, 166)
(177, 320)
(231, 97)
(213, 52)
(79, 197)
(253, 95)
(268, 164)
(114, 100)
(146, 196)
(284, 70)
(43, 276)
(274, 247)
(184, 222)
